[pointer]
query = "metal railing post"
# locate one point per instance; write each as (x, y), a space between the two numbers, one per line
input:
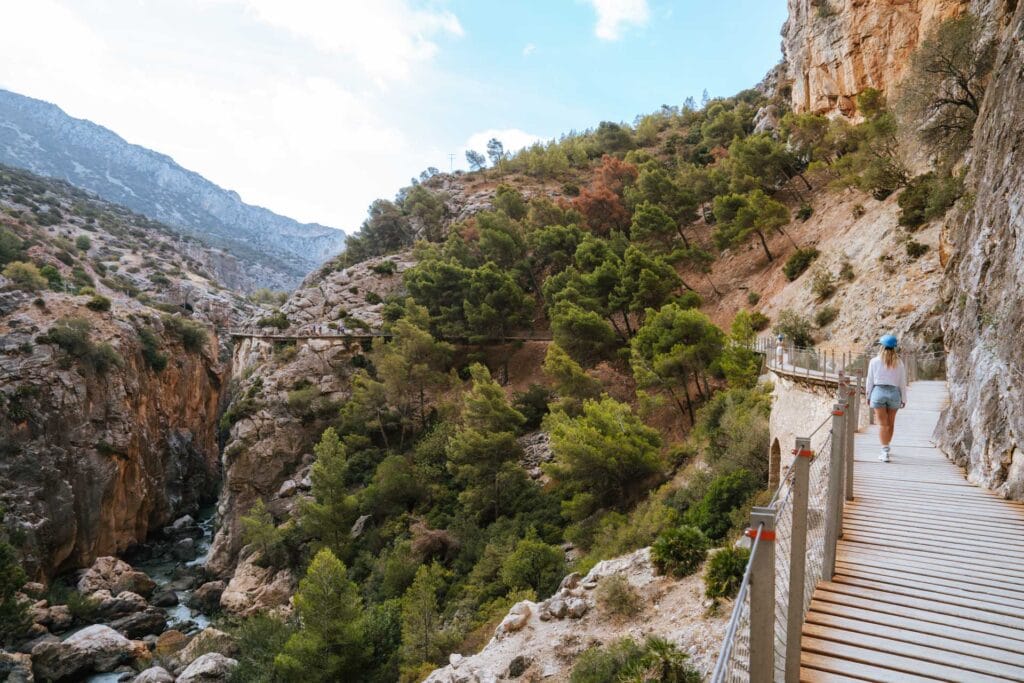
(797, 557)
(762, 596)
(852, 413)
(834, 496)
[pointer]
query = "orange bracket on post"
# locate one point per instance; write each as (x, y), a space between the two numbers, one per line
(838, 413)
(803, 454)
(766, 535)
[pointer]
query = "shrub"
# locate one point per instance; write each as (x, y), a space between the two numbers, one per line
(83, 243)
(53, 277)
(617, 596)
(794, 327)
(624, 661)
(725, 572)
(191, 334)
(726, 493)
(71, 335)
(25, 276)
(388, 267)
(104, 356)
(373, 298)
(679, 551)
(753, 298)
(98, 303)
(533, 404)
(301, 401)
(823, 284)
(915, 249)
(798, 262)
(151, 350)
(846, 271)
(858, 211)
(804, 212)
(759, 321)
(533, 564)
(825, 315)
(277, 319)
(928, 197)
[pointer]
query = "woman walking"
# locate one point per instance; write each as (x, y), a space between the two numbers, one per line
(886, 388)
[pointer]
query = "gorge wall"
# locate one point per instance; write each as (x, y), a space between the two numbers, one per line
(834, 49)
(984, 425)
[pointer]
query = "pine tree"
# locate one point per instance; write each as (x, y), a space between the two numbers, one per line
(422, 625)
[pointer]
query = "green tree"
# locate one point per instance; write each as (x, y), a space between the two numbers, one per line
(739, 362)
(329, 644)
(585, 335)
(475, 159)
(510, 201)
(726, 493)
(10, 246)
(944, 87)
(14, 620)
(767, 160)
(259, 530)
(481, 451)
(422, 626)
(740, 215)
(332, 511)
(25, 276)
(571, 381)
(675, 347)
(652, 224)
(427, 210)
(875, 161)
(533, 564)
(602, 456)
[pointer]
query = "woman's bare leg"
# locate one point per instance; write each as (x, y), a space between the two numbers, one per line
(884, 430)
(891, 422)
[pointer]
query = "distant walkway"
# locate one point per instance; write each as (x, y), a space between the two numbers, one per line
(929, 582)
(323, 332)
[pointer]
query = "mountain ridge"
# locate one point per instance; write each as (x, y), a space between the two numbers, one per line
(40, 137)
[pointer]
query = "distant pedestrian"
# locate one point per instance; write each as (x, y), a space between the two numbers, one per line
(780, 353)
(886, 388)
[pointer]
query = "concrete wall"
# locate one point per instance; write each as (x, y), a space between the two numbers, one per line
(798, 407)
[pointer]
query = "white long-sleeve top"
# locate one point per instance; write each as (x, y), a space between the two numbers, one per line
(879, 373)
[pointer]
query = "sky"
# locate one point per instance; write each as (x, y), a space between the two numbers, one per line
(314, 108)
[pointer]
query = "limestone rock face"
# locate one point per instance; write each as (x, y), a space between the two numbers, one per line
(983, 428)
(254, 588)
(834, 49)
(114, 575)
(16, 668)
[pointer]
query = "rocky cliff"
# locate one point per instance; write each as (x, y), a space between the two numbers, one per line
(834, 49)
(111, 372)
(277, 250)
(983, 428)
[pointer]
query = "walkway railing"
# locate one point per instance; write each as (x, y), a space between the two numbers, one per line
(794, 547)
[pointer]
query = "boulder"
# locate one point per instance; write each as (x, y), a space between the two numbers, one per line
(150, 621)
(60, 618)
(125, 602)
(184, 549)
(27, 647)
(287, 489)
(164, 599)
(116, 576)
(254, 588)
(517, 618)
(570, 582)
(209, 668)
(207, 597)
(34, 589)
(576, 607)
(16, 668)
(207, 640)
(154, 674)
(96, 648)
(170, 642)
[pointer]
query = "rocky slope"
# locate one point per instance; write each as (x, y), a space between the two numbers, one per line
(834, 49)
(111, 372)
(276, 251)
(983, 429)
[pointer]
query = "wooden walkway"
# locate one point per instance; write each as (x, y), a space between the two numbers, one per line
(929, 581)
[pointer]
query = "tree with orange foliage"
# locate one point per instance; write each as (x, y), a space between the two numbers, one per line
(602, 209)
(615, 174)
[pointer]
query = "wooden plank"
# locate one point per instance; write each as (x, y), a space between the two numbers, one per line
(947, 639)
(952, 533)
(825, 665)
(949, 596)
(1009, 524)
(966, 558)
(921, 609)
(913, 564)
(814, 676)
(936, 578)
(982, 547)
(1001, 530)
(981, 669)
(906, 620)
(894, 662)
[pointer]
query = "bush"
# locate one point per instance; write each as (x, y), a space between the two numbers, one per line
(373, 298)
(915, 249)
(846, 271)
(753, 298)
(798, 262)
(825, 315)
(25, 276)
(823, 285)
(533, 404)
(725, 572)
(388, 267)
(104, 356)
(679, 551)
(759, 321)
(151, 350)
(191, 334)
(83, 243)
(617, 596)
(533, 564)
(98, 303)
(794, 327)
(858, 211)
(804, 212)
(624, 661)
(726, 493)
(278, 319)
(928, 197)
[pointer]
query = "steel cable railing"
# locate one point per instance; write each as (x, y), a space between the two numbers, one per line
(733, 662)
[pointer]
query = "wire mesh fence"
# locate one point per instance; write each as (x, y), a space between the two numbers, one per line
(733, 664)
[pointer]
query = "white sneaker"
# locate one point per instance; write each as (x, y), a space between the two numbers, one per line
(884, 456)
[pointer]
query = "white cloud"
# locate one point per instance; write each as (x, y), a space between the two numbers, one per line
(302, 136)
(614, 15)
(529, 49)
(384, 37)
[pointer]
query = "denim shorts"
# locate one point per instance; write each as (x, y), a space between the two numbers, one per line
(885, 396)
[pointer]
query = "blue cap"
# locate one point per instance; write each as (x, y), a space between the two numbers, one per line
(888, 341)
